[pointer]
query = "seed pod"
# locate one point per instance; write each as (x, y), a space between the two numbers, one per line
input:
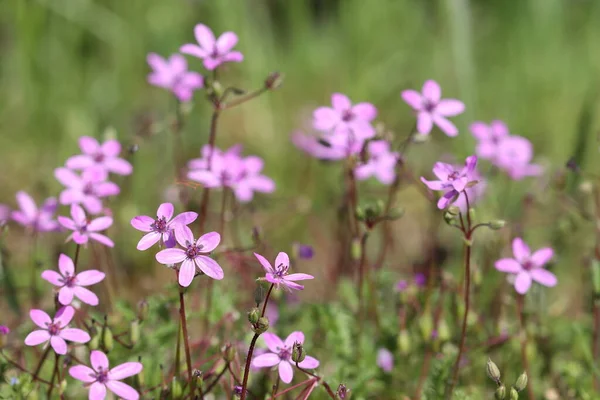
(176, 390)
(107, 339)
(497, 224)
(298, 353)
(229, 353)
(521, 383)
(492, 371)
(404, 342)
(262, 325)
(142, 310)
(254, 315)
(500, 393)
(514, 395)
(134, 332)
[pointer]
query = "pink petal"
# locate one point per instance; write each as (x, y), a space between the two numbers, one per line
(207, 178)
(273, 279)
(70, 196)
(187, 271)
(184, 235)
(27, 204)
(148, 240)
(286, 373)
(434, 185)
(253, 164)
(298, 277)
(185, 218)
(193, 50)
(243, 192)
(122, 390)
(209, 241)
(442, 170)
(80, 161)
(97, 391)
(82, 373)
(460, 183)
(234, 56)
(226, 42)
(486, 150)
(92, 204)
(170, 256)
(325, 119)
(266, 360)
(105, 189)
(340, 102)
(65, 265)
(294, 337)
(89, 277)
(365, 111)
(210, 267)
(78, 215)
(64, 315)
(125, 370)
(67, 178)
(79, 238)
(58, 344)
(309, 363)
(88, 145)
(543, 277)
(75, 335)
(292, 285)
(142, 223)
(424, 122)
(111, 148)
(265, 263)
(37, 337)
(66, 222)
(118, 166)
(86, 296)
(523, 282)
(156, 62)
(363, 172)
(520, 250)
(450, 107)
(40, 318)
(273, 342)
(508, 265)
(445, 126)
(499, 129)
(100, 224)
(165, 210)
(65, 295)
(53, 277)
(446, 199)
(102, 239)
(413, 99)
(480, 131)
(432, 91)
(204, 36)
(98, 360)
(282, 259)
(177, 64)
(542, 256)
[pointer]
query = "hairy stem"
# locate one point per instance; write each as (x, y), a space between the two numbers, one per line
(186, 344)
(523, 340)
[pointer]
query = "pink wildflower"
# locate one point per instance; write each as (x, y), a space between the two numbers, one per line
(173, 74)
(104, 156)
(514, 156)
(213, 51)
(489, 137)
(385, 360)
(475, 193)
(87, 189)
(55, 330)
(329, 147)
(161, 228)
(279, 275)
(39, 220)
(343, 117)
(381, 163)
(84, 230)
(452, 181)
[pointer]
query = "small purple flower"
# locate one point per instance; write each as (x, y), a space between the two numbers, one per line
(194, 255)
(87, 189)
(4, 330)
(162, 227)
(83, 230)
(420, 279)
(99, 378)
(345, 118)
(528, 267)
(279, 275)
(514, 155)
(304, 251)
(281, 355)
(172, 74)
(72, 284)
(401, 285)
(452, 181)
(55, 330)
(104, 156)
(39, 220)
(475, 193)
(385, 360)
(489, 138)
(381, 163)
(431, 109)
(4, 214)
(213, 51)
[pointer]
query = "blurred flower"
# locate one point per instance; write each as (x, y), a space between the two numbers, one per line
(489, 137)
(420, 279)
(514, 156)
(55, 330)
(86, 189)
(99, 378)
(279, 275)
(345, 119)
(475, 192)
(527, 266)
(83, 230)
(452, 181)
(431, 109)
(303, 251)
(381, 163)
(161, 228)
(4, 331)
(194, 255)
(272, 313)
(172, 74)
(4, 213)
(213, 51)
(105, 156)
(402, 285)
(385, 360)
(72, 284)
(324, 148)
(39, 220)
(281, 355)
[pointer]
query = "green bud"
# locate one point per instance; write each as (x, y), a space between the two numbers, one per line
(259, 295)
(596, 277)
(298, 353)
(472, 214)
(497, 224)
(274, 81)
(450, 219)
(261, 326)
(134, 332)
(468, 242)
(426, 326)
(199, 377)
(521, 382)
(404, 342)
(107, 339)
(500, 393)
(355, 249)
(229, 353)
(176, 389)
(254, 315)
(142, 310)
(453, 210)
(395, 213)
(216, 88)
(492, 371)
(360, 213)
(139, 378)
(443, 331)
(62, 387)
(514, 395)
(94, 343)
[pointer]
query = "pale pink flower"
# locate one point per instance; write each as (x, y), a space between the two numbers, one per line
(172, 74)
(331, 147)
(528, 267)
(385, 360)
(475, 192)
(213, 51)
(281, 355)
(100, 377)
(381, 163)
(489, 138)
(55, 330)
(104, 156)
(432, 109)
(84, 230)
(71, 284)
(162, 227)
(28, 215)
(514, 155)
(87, 189)
(345, 118)
(451, 180)
(4, 213)
(279, 275)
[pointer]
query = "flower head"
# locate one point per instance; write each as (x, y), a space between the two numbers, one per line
(280, 353)
(39, 220)
(4, 330)
(381, 163)
(55, 330)
(4, 214)
(432, 109)
(87, 189)
(72, 284)
(213, 51)
(527, 267)
(84, 230)
(172, 74)
(104, 156)
(475, 193)
(328, 147)
(489, 138)
(514, 155)
(162, 227)
(451, 180)
(99, 378)
(385, 360)
(345, 118)
(279, 275)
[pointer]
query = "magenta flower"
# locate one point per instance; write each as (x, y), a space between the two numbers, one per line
(431, 109)
(381, 163)
(39, 220)
(343, 117)
(489, 138)
(4, 213)
(87, 189)
(104, 156)
(452, 181)
(279, 275)
(475, 192)
(385, 360)
(194, 255)
(161, 228)
(329, 147)
(83, 230)
(527, 266)
(281, 355)
(99, 378)
(514, 155)
(213, 51)
(4, 330)
(172, 74)
(55, 330)
(72, 284)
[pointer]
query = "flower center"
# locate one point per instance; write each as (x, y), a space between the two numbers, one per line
(347, 116)
(98, 157)
(285, 353)
(88, 189)
(159, 225)
(215, 52)
(528, 265)
(429, 106)
(453, 176)
(193, 251)
(281, 270)
(69, 280)
(53, 328)
(102, 375)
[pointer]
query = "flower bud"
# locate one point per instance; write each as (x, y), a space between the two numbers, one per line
(500, 393)
(404, 342)
(298, 353)
(497, 224)
(254, 315)
(199, 377)
(274, 81)
(342, 392)
(261, 326)
(62, 387)
(360, 213)
(453, 210)
(229, 353)
(139, 377)
(426, 325)
(514, 395)
(521, 382)
(395, 213)
(142, 310)
(450, 219)
(4, 331)
(107, 339)
(94, 343)
(176, 389)
(134, 332)
(472, 214)
(492, 371)
(443, 331)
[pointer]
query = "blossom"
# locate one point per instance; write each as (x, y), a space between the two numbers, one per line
(381, 163)
(104, 156)
(475, 193)
(452, 181)
(40, 220)
(100, 377)
(213, 51)
(514, 156)
(489, 138)
(324, 148)
(72, 284)
(194, 255)
(55, 330)
(86, 189)
(303, 251)
(279, 275)
(161, 228)
(420, 279)
(4, 213)
(84, 230)
(432, 109)
(385, 360)
(527, 266)
(345, 118)
(4, 331)
(173, 74)
(281, 354)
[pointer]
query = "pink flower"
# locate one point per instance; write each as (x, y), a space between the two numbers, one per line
(385, 360)
(172, 74)
(104, 156)
(328, 147)
(281, 354)
(346, 118)
(55, 330)
(475, 192)
(84, 230)
(431, 109)
(194, 255)
(4, 213)
(381, 163)
(514, 155)
(100, 377)
(40, 220)
(72, 284)
(452, 181)
(4, 330)
(527, 266)
(161, 228)
(86, 189)
(489, 137)
(213, 52)
(279, 275)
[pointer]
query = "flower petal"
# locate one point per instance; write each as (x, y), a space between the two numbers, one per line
(75, 335)
(100, 224)
(165, 210)
(445, 126)
(226, 42)
(325, 119)
(520, 250)
(187, 271)
(86, 296)
(89, 277)
(193, 50)
(40, 318)
(508, 265)
(413, 99)
(118, 166)
(37, 337)
(309, 363)
(125, 370)
(97, 391)
(98, 360)
(122, 390)
(78, 215)
(286, 373)
(204, 36)
(340, 102)
(105, 240)
(210, 267)
(294, 337)
(184, 235)
(365, 111)
(64, 315)
(265, 263)
(80, 161)
(434, 185)
(88, 145)
(450, 107)
(432, 91)
(65, 265)
(171, 256)
(543, 277)
(83, 373)
(27, 204)
(53, 277)
(424, 122)
(266, 360)
(273, 342)
(298, 277)
(142, 223)
(542, 256)
(67, 222)
(209, 241)
(65, 295)
(523, 282)
(58, 344)
(148, 240)
(185, 218)
(282, 259)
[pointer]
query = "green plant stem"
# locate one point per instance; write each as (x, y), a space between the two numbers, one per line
(217, 379)
(211, 143)
(523, 340)
(41, 362)
(20, 368)
(186, 344)
(51, 387)
(361, 272)
(76, 257)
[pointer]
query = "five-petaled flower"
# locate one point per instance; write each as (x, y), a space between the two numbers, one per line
(489, 138)
(279, 275)
(381, 163)
(213, 51)
(345, 118)
(527, 266)
(72, 284)
(104, 156)
(39, 220)
(173, 74)
(84, 230)
(162, 227)
(100, 377)
(55, 330)
(281, 354)
(451, 180)
(514, 156)
(87, 189)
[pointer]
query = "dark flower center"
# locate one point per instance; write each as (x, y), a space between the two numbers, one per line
(429, 106)
(528, 265)
(453, 176)
(159, 225)
(53, 328)
(69, 280)
(98, 157)
(285, 353)
(215, 52)
(102, 375)
(347, 116)
(88, 189)
(193, 251)
(281, 270)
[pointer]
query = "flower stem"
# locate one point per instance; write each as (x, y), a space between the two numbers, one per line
(523, 339)
(217, 379)
(361, 271)
(41, 362)
(20, 368)
(264, 309)
(76, 257)
(186, 344)
(51, 387)
(319, 379)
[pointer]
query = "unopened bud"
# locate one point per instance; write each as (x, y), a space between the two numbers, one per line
(596, 277)
(107, 339)
(94, 343)
(134, 332)
(500, 393)
(342, 392)
(259, 294)
(229, 353)
(453, 210)
(521, 382)
(274, 81)
(360, 213)
(254, 315)
(450, 219)
(176, 389)
(404, 342)
(142, 310)
(514, 395)
(298, 353)
(199, 377)
(4, 331)
(62, 387)
(426, 325)
(497, 224)
(139, 377)
(261, 326)
(443, 331)
(472, 214)
(492, 371)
